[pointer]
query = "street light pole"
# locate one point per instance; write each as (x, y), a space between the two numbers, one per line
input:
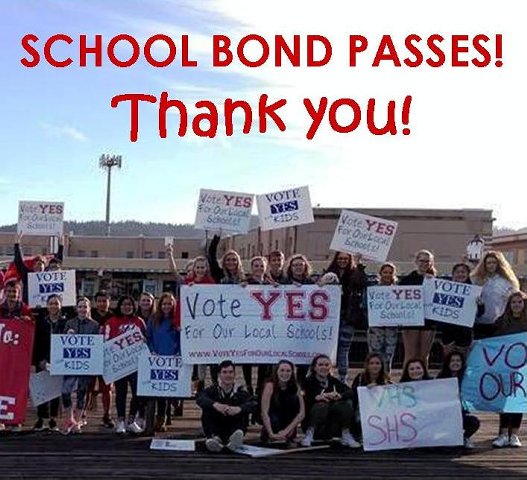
(106, 162)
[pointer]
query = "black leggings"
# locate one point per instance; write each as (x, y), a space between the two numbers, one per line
(121, 391)
(510, 420)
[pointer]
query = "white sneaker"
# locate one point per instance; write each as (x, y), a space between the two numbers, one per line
(308, 439)
(214, 444)
(120, 427)
(501, 441)
(140, 422)
(348, 441)
(235, 440)
(16, 428)
(468, 444)
(515, 441)
(134, 428)
(2, 427)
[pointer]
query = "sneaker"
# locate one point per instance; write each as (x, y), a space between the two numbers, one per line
(83, 421)
(120, 428)
(235, 440)
(2, 427)
(134, 428)
(140, 422)
(348, 441)
(68, 426)
(77, 428)
(108, 422)
(214, 444)
(39, 425)
(308, 439)
(501, 441)
(17, 428)
(515, 441)
(468, 444)
(53, 427)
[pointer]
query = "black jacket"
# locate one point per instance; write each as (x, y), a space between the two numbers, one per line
(238, 397)
(44, 328)
(313, 387)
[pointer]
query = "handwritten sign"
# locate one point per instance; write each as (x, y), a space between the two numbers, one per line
(121, 354)
(450, 302)
(43, 284)
(227, 211)
(163, 376)
(395, 305)
(77, 354)
(43, 387)
(286, 208)
(495, 379)
(258, 324)
(426, 413)
(372, 237)
(40, 218)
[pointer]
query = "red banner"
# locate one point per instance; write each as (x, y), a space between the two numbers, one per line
(16, 346)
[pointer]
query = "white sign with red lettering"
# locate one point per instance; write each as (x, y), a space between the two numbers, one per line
(369, 236)
(226, 211)
(40, 218)
(258, 324)
(395, 305)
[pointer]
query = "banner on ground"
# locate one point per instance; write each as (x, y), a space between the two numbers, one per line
(16, 347)
(77, 355)
(121, 354)
(395, 305)
(163, 376)
(286, 208)
(372, 237)
(426, 413)
(495, 378)
(227, 211)
(43, 284)
(40, 218)
(258, 324)
(450, 302)
(43, 387)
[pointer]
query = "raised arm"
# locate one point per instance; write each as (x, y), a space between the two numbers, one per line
(215, 269)
(172, 263)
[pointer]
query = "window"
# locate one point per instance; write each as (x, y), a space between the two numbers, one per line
(129, 254)
(10, 250)
(184, 254)
(161, 254)
(276, 244)
(94, 253)
(27, 251)
(81, 253)
(147, 255)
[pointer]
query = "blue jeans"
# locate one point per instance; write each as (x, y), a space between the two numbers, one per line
(343, 349)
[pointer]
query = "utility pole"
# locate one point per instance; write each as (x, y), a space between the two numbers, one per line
(106, 162)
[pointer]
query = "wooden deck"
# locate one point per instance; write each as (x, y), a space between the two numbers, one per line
(99, 453)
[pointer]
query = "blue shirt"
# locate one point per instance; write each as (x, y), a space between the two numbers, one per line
(163, 339)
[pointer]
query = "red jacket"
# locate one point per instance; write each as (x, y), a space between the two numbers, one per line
(115, 326)
(20, 310)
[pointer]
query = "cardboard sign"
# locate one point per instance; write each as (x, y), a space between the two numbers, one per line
(426, 413)
(258, 324)
(163, 376)
(495, 379)
(227, 211)
(43, 387)
(395, 305)
(121, 354)
(286, 208)
(77, 355)
(173, 445)
(43, 284)
(16, 347)
(40, 218)
(450, 302)
(372, 237)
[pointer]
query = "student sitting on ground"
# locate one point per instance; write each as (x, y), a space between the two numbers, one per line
(226, 408)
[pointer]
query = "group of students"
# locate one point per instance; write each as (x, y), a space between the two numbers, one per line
(284, 396)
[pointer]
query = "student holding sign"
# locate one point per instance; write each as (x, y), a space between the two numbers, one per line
(329, 409)
(83, 324)
(383, 340)
(123, 321)
(53, 322)
(513, 320)
(498, 280)
(418, 341)
(353, 279)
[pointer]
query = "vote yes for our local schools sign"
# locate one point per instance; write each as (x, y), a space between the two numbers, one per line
(286, 208)
(77, 354)
(43, 284)
(495, 379)
(40, 218)
(395, 305)
(163, 376)
(372, 237)
(426, 413)
(258, 324)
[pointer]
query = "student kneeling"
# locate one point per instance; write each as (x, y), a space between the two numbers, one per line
(226, 408)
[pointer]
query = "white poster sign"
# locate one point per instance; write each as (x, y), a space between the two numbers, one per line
(121, 354)
(426, 413)
(163, 376)
(43, 387)
(76, 354)
(43, 284)
(227, 211)
(40, 218)
(173, 445)
(395, 305)
(258, 324)
(372, 237)
(451, 302)
(286, 208)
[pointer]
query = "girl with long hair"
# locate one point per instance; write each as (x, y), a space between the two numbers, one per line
(415, 369)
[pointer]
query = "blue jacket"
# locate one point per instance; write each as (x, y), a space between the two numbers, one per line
(163, 339)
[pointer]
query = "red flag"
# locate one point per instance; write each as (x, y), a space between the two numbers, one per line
(16, 346)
